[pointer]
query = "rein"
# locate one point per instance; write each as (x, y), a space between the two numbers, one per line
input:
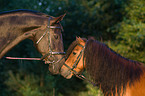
(17, 58)
(80, 76)
(50, 53)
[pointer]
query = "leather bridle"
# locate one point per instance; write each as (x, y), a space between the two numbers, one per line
(50, 53)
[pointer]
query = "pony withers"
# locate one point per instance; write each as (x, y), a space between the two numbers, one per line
(112, 73)
(42, 29)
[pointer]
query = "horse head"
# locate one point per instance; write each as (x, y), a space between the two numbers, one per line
(74, 63)
(50, 44)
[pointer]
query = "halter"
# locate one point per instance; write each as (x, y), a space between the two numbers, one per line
(50, 53)
(75, 65)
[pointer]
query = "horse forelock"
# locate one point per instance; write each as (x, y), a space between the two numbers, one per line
(71, 47)
(108, 69)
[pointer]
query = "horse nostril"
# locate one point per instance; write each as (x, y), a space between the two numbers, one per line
(51, 59)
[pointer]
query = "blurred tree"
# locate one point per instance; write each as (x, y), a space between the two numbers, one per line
(130, 41)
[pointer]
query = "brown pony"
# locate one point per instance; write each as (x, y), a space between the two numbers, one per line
(42, 29)
(112, 73)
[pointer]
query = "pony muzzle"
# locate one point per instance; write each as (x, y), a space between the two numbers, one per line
(66, 72)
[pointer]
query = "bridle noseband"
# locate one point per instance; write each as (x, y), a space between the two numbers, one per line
(50, 53)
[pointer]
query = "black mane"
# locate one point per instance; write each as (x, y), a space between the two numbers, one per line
(108, 69)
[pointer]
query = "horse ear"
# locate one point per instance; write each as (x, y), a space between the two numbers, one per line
(58, 19)
(79, 38)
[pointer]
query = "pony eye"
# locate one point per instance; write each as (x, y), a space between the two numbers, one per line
(74, 53)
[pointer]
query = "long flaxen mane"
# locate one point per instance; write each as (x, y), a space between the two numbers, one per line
(110, 71)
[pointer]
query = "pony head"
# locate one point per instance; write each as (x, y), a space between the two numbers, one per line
(74, 59)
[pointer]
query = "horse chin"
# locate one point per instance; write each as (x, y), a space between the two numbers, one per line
(53, 71)
(54, 68)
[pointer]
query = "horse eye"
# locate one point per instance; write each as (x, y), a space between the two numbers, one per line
(74, 53)
(56, 36)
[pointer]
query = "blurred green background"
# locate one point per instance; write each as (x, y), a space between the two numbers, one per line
(118, 23)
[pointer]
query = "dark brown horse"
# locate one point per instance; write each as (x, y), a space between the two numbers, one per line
(42, 29)
(112, 73)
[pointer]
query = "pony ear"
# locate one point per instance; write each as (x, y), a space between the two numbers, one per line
(58, 19)
(79, 39)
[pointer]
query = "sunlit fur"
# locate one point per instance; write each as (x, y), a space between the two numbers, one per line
(112, 73)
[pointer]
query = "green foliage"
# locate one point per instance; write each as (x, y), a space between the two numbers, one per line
(120, 23)
(92, 91)
(29, 85)
(130, 41)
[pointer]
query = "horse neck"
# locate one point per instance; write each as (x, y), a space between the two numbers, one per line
(14, 29)
(109, 70)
